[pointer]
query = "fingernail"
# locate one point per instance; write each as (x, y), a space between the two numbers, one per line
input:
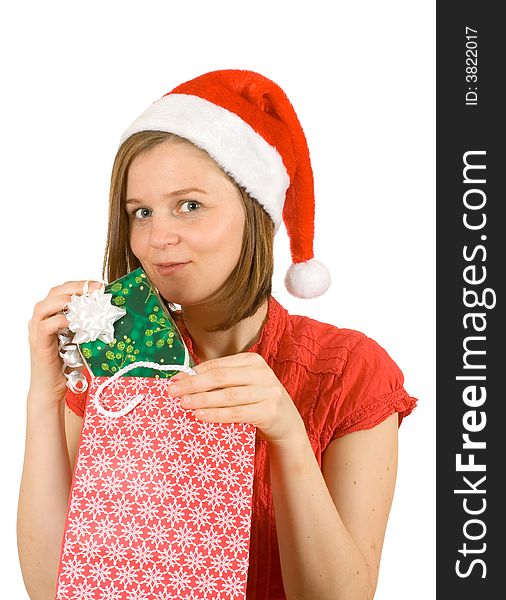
(173, 389)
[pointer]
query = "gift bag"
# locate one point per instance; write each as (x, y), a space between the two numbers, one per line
(160, 503)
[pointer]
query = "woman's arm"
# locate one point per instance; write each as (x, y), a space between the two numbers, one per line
(46, 478)
(331, 523)
(43, 497)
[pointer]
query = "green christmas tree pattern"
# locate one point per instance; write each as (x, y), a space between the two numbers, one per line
(154, 336)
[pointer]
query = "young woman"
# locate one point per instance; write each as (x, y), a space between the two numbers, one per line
(200, 184)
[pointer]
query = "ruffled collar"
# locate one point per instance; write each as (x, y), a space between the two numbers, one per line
(270, 334)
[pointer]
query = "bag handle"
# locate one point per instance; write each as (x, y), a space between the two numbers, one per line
(140, 397)
(186, 362)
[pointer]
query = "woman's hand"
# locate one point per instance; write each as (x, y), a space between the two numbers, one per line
(240, 388)
(48, 383)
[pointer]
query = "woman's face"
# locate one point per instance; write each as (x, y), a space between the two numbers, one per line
(183, 209)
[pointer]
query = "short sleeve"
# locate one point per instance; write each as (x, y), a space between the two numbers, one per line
(77, 402)
(372, 388)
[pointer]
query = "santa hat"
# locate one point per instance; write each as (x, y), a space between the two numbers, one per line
(249, 127)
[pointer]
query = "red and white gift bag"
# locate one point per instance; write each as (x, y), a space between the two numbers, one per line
(160, 503)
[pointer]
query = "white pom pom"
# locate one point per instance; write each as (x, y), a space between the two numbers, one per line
(307, 279)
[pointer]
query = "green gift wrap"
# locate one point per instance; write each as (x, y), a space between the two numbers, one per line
(146, 332)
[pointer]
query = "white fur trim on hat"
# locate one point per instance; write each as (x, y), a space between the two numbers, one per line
(234, 145)
(307, 279)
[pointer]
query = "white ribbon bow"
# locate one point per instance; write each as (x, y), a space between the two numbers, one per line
(91, 316)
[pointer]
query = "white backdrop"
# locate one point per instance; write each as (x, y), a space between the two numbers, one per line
(361, 77)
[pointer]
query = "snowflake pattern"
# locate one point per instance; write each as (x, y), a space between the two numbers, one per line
(160, 504)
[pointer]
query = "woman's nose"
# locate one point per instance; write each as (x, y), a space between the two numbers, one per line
(164, 232)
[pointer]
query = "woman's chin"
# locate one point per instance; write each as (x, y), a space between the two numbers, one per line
(172, 298)
(185, 300)
(177, 298)
(177, 292)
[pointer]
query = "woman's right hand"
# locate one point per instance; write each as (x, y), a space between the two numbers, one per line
(48, 383)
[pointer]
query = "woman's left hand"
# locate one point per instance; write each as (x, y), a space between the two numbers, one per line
(241, 388)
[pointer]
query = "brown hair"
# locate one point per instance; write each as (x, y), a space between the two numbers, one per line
(249, 284)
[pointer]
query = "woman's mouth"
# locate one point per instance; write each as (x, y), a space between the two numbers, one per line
(167, 269)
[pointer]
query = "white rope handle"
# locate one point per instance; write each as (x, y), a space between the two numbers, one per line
(140, 397)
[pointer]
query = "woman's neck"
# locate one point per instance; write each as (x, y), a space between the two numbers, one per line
(239, 338)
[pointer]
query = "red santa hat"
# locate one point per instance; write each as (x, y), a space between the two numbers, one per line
(249, 127)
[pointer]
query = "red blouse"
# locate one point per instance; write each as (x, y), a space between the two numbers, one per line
(339, 380)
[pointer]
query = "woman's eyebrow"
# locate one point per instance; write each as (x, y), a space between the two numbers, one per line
(169, 195)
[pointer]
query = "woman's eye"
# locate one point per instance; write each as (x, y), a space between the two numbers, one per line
(190, 203)
(142, 212)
